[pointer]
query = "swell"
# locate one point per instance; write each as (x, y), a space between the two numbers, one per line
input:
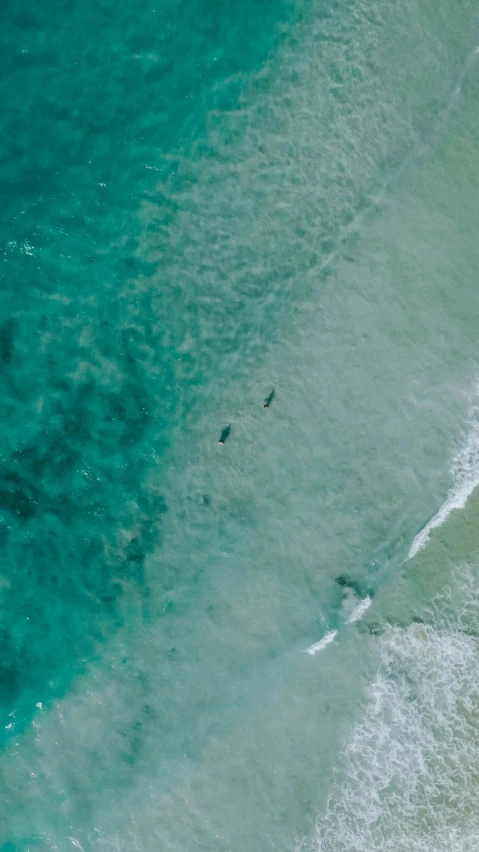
(465, 476)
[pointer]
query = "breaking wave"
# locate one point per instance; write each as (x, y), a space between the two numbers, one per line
(410, 779)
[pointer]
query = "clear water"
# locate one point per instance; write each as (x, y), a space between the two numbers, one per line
(200, 203)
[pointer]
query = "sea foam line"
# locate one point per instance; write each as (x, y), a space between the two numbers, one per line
(359, 610)
(329, 637)
(318, 646)
(455, 501)
(465, 471)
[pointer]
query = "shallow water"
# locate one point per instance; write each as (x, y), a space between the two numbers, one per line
(203, 204)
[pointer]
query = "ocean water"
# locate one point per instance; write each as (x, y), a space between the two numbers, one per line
(271, 644)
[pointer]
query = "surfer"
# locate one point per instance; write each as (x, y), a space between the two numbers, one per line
(269, 400)
(347, 583)
(225, 434)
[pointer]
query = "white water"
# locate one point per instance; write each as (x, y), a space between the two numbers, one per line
(409, 778)
(465, 473)
(319, 646)
(360, 609)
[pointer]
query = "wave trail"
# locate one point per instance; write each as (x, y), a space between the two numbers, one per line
(318, 646)
(465, 472)
(359, 610)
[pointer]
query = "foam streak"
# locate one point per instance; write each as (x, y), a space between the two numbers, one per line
(360, 609)
(465, 471)
(319, 646)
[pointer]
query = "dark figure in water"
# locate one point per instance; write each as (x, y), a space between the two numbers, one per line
(359, 590)
(269, 400)
(225, 434)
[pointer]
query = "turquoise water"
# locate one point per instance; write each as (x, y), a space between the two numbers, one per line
(202, 203)
(89, 388)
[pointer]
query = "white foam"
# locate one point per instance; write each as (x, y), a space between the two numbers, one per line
(360, 609)
(465, 471)
(457, 501)
(318, 646)
(408, 780)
